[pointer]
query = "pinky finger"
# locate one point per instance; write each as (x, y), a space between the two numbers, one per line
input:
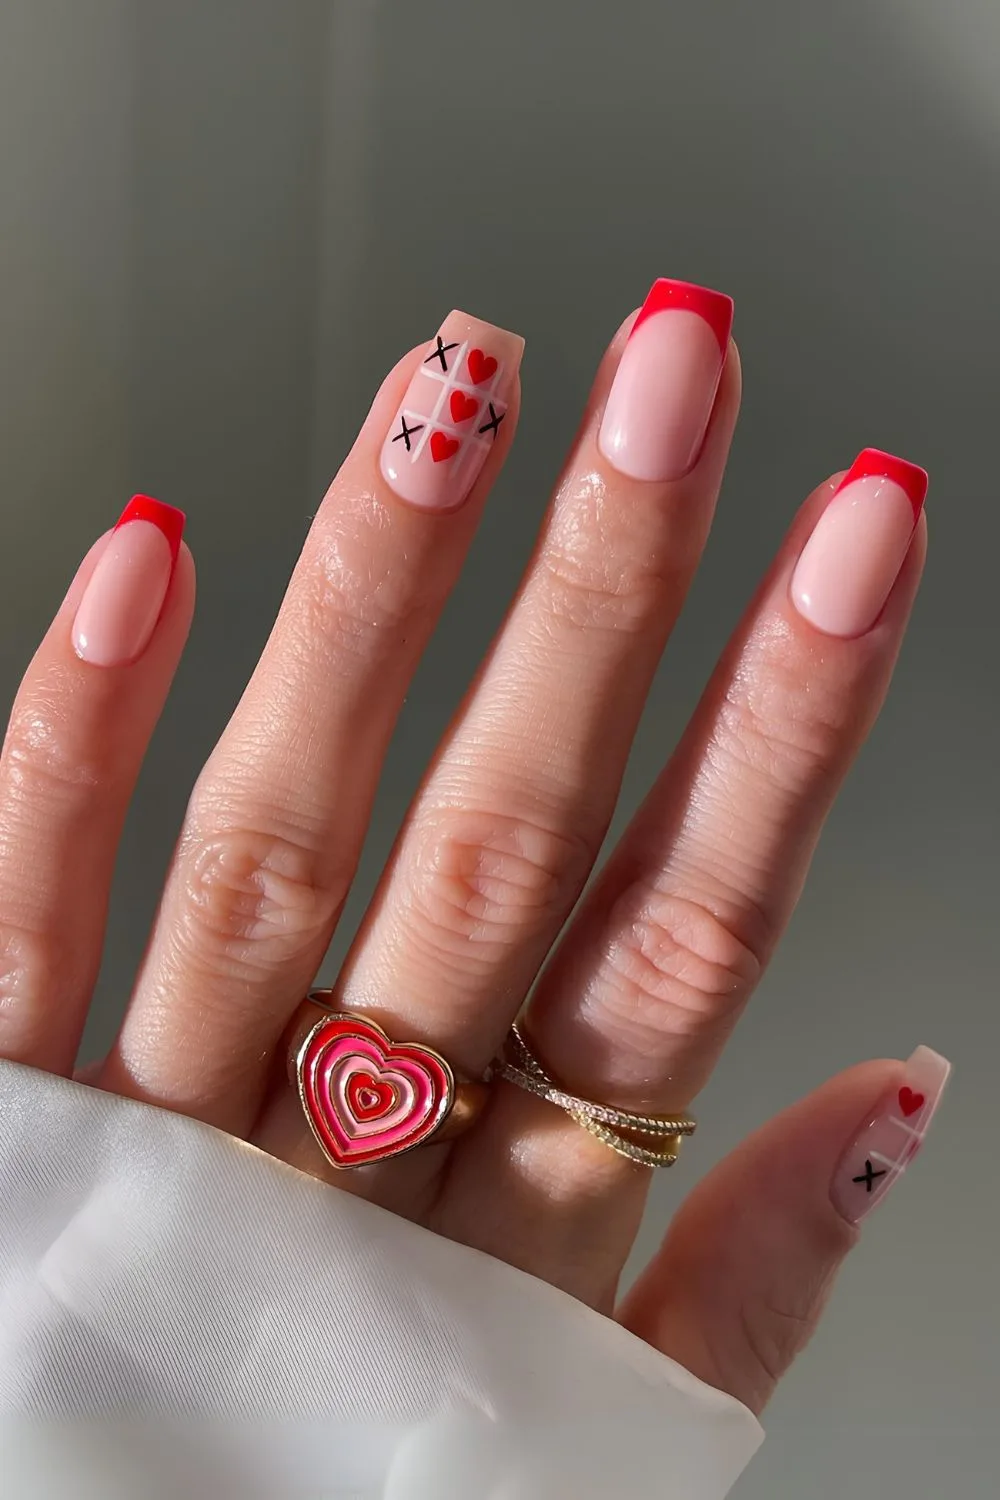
(77, 735)
(738, 1286)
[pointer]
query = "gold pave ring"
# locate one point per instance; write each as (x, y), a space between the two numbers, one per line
(653, 1140)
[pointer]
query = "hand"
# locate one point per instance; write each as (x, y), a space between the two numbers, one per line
(634, 1005)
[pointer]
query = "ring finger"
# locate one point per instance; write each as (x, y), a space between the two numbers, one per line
(651, 977)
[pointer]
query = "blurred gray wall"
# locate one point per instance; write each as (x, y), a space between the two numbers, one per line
(222, 220)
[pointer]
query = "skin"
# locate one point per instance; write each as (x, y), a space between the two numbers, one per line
(634, 995)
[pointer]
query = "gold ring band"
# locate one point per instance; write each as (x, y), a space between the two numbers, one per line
(653, 1140)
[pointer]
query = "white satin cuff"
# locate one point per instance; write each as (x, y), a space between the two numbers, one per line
(227, 1325)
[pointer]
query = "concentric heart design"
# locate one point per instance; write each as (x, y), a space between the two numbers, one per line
(365, 1097)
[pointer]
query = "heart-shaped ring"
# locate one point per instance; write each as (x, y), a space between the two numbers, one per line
(368, 1098)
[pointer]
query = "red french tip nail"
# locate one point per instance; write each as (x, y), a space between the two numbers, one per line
(872, 462)
(715, 307)
(168, 518)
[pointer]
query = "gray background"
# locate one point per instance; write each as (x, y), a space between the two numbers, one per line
(222, 220)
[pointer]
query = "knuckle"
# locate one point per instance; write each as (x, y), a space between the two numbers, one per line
(360, 596)
(595, 579)
(46, 758)
(782, 719)
(31, 968)
(486, 883)
(676, 965)
(773, 1335)
(252, 901)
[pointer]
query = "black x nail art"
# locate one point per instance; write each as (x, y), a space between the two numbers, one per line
(440, 352)
(407, 432)
(868, 1176)
(493, 424)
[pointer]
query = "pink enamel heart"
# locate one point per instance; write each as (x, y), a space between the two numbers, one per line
(365, 1097)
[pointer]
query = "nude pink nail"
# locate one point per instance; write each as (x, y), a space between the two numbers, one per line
(850, 563)
(664, 390)
(122, 601)
(451, 414)
(891, 1138)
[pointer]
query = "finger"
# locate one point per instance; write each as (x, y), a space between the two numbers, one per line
(506, 828)
(740, 1282)
(78, 731)
(656, 967)
(274, 828)
(655, 971)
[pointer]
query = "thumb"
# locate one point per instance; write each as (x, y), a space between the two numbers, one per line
(738, 1285)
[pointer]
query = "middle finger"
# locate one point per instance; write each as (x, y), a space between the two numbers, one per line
(654, 971)
(504, 833)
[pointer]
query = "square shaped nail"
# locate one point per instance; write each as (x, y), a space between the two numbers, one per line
(452, 412)
(850, 563)
(664, 390)
(891, 1138)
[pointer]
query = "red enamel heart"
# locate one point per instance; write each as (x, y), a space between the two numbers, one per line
(369, 1096)
(365, 1098)
(462, 406)
(481, 366)
(443, 446)
(909, 1102)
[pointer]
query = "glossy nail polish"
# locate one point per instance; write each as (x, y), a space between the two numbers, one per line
(850, 563)
(452, 413)
(891, 1138)
(122, 601)
(667, 380)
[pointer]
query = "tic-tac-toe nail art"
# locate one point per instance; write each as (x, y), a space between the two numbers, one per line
(452, 413)
(891, 1137)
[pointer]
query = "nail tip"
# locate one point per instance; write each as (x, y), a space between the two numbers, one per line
(936, 1061)
(513, 341)
(668, 294)
(876, 462)
(167, 518)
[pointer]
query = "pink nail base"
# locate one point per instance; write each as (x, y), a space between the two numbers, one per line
(124, 596)
(891, 1138)
(665, 387)
(849, 565)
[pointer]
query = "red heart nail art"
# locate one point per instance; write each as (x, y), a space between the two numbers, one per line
(481, 366)
(462, 406)
(909, 1102)
(443, 446)
(365, 1098)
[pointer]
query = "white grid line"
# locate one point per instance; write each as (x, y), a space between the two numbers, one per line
(464, 385)
(902, 1124)
(449, 382)
(425, 438)
(895, 1166)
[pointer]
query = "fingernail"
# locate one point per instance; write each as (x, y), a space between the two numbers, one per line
(665, 387)
(850, 563)
(122, 601)
(892, 1137)
(452, 413)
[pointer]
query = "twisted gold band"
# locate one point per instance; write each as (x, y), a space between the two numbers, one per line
(654, 1140)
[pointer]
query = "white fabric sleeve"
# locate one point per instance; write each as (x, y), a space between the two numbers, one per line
(182, 1315)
